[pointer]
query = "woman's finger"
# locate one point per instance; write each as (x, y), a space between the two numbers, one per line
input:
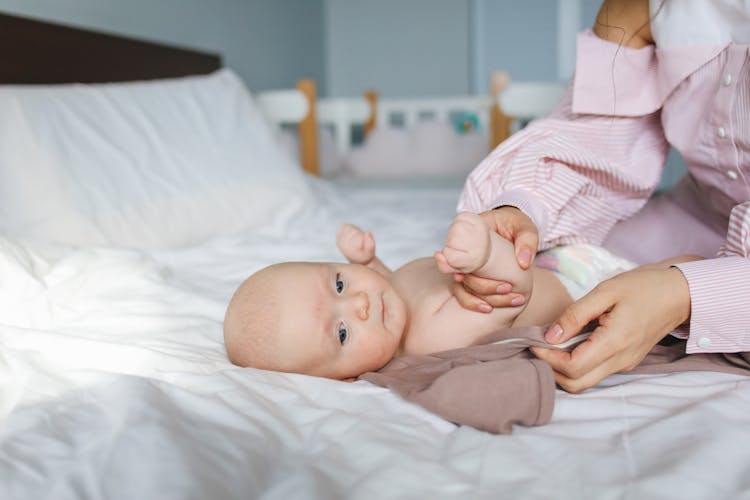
(485, 303)
(579, 314)
(590, 379)
(514, 225)
(599, 349)
(485, 286)
(525, 244)
(468, 300)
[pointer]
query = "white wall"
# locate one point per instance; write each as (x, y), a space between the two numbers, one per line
(398, 47)
(270, 43)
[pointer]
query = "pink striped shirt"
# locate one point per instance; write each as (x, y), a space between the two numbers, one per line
(599, 156)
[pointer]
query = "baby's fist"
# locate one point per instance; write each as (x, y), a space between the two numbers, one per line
(357, 246)
(467, 246)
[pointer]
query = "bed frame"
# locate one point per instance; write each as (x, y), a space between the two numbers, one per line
(39, 52)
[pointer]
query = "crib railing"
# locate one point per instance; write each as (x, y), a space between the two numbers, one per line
(508, 106)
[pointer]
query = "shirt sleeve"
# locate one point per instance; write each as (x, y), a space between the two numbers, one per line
(575, 174)
(720, 292)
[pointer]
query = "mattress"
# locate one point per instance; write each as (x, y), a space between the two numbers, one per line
(114, 384)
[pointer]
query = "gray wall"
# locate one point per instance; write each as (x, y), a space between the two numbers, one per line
(399, 47)
(534, 40)
(518, 37)
(442, 47)
(590, 8)
(270, 43)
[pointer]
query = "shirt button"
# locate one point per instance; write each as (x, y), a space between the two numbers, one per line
(721, 132)
(704, 342)
(727, 80)
(732, 174)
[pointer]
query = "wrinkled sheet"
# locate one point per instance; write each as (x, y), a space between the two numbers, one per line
(114, 384)
(497, 383)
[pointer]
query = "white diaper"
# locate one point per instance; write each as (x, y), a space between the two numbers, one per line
(581, 267)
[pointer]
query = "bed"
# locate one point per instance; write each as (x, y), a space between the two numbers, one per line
(114, 382)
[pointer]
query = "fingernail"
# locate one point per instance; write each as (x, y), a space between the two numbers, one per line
(517, 301)
(553, 334)
(524, 257)
(504, 288)
(485, 308)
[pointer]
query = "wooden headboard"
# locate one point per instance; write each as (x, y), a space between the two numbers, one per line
(34, 51)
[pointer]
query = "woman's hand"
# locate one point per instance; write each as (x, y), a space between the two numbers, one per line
(482, 294)
(635, 311)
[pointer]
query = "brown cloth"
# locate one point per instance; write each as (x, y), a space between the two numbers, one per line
(494, 386)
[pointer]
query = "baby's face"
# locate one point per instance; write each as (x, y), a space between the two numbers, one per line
(338, 320)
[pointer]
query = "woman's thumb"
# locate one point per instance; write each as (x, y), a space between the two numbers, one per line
(576, 316)
(525, 246)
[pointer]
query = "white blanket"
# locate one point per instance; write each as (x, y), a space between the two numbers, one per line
(114, 384)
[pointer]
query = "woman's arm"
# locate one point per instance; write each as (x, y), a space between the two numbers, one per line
(638, 308)
(720, 291)
(598, 157)
(574, 175)
(594, 161)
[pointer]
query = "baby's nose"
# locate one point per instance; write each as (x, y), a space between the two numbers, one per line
(361, 305)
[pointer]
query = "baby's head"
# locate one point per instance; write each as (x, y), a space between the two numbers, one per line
(325, 319)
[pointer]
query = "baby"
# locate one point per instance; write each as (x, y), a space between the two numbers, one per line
(340, 320)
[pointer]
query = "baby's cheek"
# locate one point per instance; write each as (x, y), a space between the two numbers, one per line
(387, 352)
(373, 357)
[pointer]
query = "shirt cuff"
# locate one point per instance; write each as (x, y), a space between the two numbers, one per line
(719, 312)
(527, 203)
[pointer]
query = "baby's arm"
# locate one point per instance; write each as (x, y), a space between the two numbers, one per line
(359, 248)
(473, 248)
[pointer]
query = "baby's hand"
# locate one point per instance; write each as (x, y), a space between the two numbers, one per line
(357, 246)
(467, 246)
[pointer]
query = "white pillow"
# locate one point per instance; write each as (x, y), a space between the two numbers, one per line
(150, 165)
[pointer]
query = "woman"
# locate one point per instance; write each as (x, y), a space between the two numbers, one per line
(648, 76)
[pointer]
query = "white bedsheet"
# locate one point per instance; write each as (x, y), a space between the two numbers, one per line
(114, 384)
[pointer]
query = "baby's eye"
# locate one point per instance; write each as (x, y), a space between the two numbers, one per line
(343, 333)
(339, 283)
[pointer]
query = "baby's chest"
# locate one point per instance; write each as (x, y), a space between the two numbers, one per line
(439, 323)
(422, 286)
